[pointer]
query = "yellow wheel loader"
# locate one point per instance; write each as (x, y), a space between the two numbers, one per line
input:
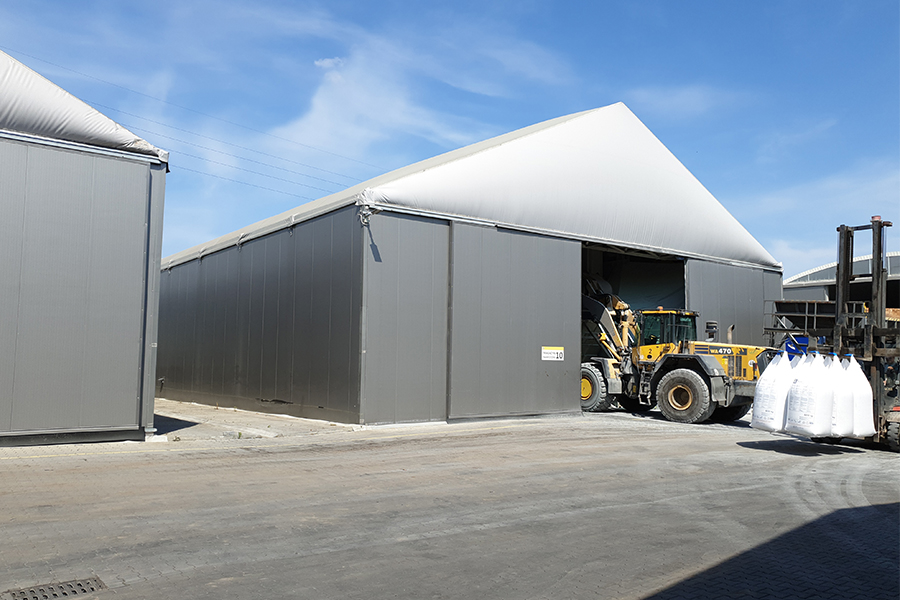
(652, 358)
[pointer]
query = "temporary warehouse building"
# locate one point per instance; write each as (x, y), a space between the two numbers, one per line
(81, 202)
(451, 288)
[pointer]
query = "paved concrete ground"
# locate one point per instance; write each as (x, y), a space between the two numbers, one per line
(242, 505)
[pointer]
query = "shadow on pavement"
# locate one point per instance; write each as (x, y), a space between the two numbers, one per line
(166, 425)
(796, 447)
(850, 553)
(655, 415)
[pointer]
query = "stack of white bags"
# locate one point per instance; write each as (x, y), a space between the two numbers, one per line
(814, 396)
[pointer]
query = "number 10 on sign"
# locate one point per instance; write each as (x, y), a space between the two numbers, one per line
(552, 353)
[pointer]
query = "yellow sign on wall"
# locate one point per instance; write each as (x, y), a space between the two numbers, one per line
(553, 353)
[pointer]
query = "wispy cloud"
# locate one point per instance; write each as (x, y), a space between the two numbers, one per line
(375, 99)
(329, 63)
(366, 102)
(681, 102)
(774, 145)
(798, 256)
(856, 192)
(797, 223)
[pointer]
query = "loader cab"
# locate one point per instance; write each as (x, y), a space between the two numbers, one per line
(662, 331)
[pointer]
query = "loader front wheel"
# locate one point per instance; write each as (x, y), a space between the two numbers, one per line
(594, 396)
(683, 397)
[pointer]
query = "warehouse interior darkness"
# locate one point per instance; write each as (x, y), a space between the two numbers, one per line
(639, 278)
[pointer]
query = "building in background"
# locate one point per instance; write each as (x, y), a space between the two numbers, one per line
(81, 206)
(451, 288)
(819, 283)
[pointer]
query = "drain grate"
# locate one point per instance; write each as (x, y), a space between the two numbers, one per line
(49, 591)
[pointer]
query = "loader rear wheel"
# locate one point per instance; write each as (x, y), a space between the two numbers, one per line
(683, 397)
(594, 396)
(728, 414)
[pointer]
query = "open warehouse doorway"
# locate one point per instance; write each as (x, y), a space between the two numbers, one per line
(639, 278)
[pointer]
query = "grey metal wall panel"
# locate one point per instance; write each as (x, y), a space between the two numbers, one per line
(114, 311)
(193, 293)
(12, 223)
(772, 288)
(272, 271)
(731, 295)
(818, 293)
(322, 291)
(257, 298)
(407, 262)
(284, 351)
(204, 330)
(54, 289)
(343, 334)
(512, 294)
(151, 319)
(303, 354)
(218, 313)
(284, 322)
(78, 259)
(242, 296)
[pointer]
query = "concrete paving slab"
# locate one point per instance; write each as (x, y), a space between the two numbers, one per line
(599, 506)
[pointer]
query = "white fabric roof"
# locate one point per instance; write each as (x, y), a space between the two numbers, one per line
(599, 176)
(33, 105)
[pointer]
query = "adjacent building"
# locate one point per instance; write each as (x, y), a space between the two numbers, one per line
(81, 204)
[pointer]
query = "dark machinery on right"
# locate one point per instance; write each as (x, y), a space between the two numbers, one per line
(865, 328)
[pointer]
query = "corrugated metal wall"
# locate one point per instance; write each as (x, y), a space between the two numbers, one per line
(513, 293)
(731, 295)
(405, 321)
(73, 266)
(272, 325)
(152, 276)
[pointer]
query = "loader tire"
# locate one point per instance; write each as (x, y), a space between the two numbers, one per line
(893, 437)
(728, 414)
(683, 397)
(594, 396)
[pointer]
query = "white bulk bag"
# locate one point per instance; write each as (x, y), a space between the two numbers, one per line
(809, 405)
(771, 392)
(863, 401)
(842, 408)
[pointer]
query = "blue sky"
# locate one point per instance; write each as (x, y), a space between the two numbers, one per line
(787, 111)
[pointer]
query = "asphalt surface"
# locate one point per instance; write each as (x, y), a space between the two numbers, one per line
(228, 504)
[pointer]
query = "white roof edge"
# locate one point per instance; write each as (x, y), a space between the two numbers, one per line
(338, 201)
(64, 144)
(577, 237)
